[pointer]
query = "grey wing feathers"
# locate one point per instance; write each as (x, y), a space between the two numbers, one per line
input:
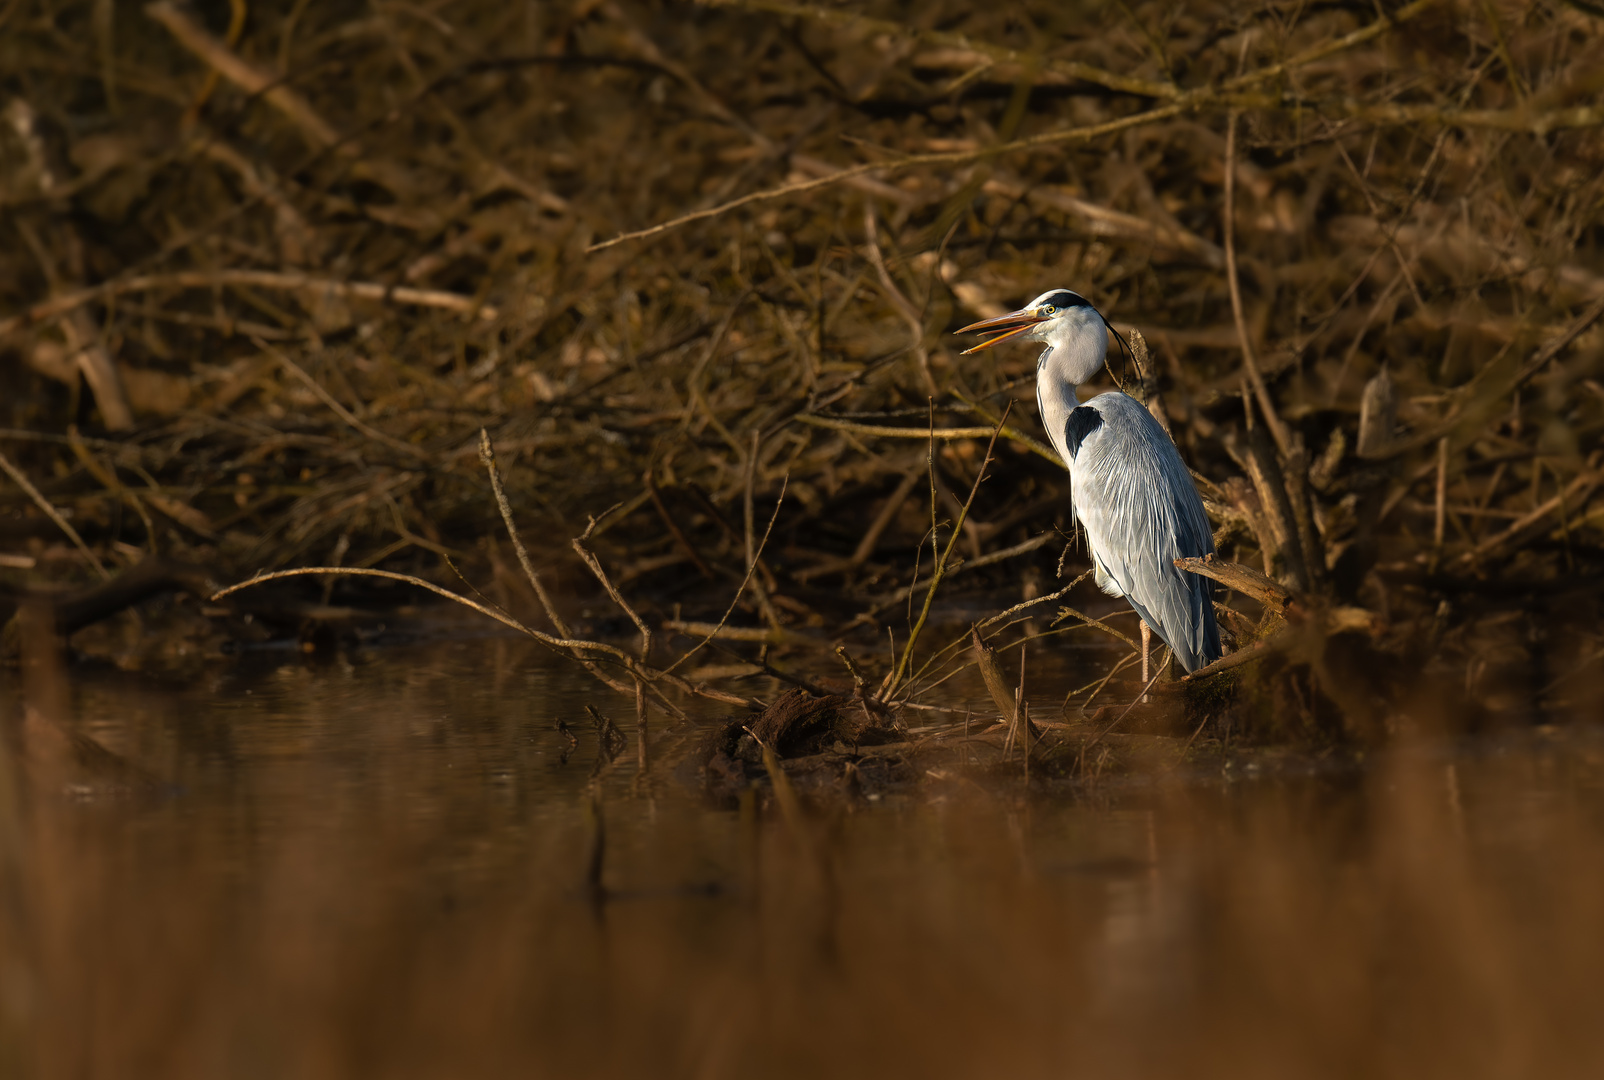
(1141, 511)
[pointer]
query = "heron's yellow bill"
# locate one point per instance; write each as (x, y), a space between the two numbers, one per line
(1011, 325)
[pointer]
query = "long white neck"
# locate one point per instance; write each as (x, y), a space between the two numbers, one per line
(1055, 397)
(1076, 347)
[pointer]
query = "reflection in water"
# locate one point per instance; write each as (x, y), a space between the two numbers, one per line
(377, 868)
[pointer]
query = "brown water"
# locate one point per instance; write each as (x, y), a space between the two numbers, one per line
(377, 867)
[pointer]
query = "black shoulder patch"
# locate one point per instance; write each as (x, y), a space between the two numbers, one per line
(1082, 422)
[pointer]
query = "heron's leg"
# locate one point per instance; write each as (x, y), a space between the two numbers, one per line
(1147, 640)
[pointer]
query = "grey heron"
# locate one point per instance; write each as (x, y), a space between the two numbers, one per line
(1129, 488)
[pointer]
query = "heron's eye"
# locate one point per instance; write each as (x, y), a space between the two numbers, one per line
(1048, 309)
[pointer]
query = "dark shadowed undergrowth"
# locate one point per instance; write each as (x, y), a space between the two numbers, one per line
(628, 324)
(266, 278)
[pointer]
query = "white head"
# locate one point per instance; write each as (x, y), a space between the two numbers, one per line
(1075, 332)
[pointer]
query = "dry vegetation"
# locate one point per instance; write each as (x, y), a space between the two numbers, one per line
(265, 279)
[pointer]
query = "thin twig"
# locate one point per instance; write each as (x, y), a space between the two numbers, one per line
(487, 454)
(595, 566)
(674, 530)
(1095, 623)
(1024, 547)
(629, 663)
(1138, 700)
(62, 303)
(1575, 493)
(945, 650)
(52, 513)
(1079, 134)
(1440, 505)
(340, 410)
(895, 677)
(746, 517)
(244, 75)
(390, 575)
(1250, 362)
(1134, 656)
(1187, 103)
(904, 306)
(1017, 608)
(985, 624)
(1493, 384)
(751, 566)
(870, 27)
(1009, 432)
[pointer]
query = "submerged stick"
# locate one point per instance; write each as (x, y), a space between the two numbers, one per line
(642, 731)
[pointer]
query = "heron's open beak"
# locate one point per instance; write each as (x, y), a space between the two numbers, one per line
(1010, 325)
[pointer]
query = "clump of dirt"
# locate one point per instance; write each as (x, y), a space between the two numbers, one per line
(795, 725)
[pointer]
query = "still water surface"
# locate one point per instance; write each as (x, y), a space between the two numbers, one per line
(376, 867)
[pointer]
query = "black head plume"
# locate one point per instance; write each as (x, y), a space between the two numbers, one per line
(1125, 345)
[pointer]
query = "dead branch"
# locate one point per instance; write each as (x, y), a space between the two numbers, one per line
(244, 75)
(1085, 133)
(262, 279)
(1009, 432)
(1067, 69)
(1250, 361)
(595, 567)
(340, 410)
(499, 616)
(1244, 579)
(52, 513)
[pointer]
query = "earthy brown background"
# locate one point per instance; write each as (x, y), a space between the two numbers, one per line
(268, 268)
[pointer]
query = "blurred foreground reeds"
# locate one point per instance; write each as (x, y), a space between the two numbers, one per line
(378, 869)
(266, 273)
